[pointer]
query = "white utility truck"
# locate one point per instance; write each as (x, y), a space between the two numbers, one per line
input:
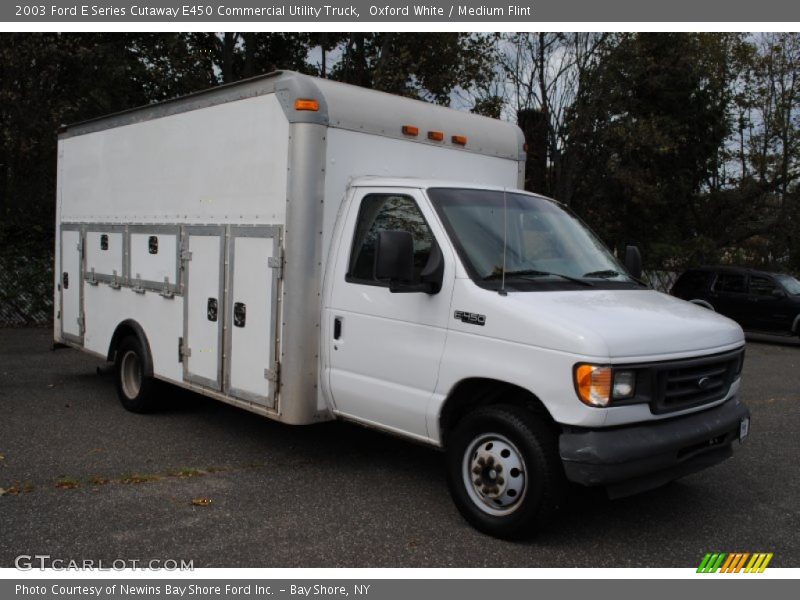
(309, 250)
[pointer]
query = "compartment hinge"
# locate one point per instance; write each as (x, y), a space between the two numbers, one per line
(186, 256)
(274, 373)
(166, 292)
(81, 324)
(183, 350)
(276, 262)
(137, 285)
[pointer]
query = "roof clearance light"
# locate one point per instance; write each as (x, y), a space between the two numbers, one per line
(306, 104)
(461, 140)
(410, 130)
(436, 136)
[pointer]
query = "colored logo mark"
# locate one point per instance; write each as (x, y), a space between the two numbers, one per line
(744, 562)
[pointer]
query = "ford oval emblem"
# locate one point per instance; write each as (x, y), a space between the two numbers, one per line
(703, 382)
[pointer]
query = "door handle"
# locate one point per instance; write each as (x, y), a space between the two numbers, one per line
(211, 309)
(239, 314)
(337, 328)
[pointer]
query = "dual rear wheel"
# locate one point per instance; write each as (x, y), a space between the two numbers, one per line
(135, 389)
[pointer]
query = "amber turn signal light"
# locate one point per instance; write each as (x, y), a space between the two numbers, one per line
(593, 384)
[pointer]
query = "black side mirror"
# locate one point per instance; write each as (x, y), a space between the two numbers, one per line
(778, 293)
(394, 262)
(633, 261)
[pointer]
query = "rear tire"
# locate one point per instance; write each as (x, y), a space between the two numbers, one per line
(136, 391)
(504, 472)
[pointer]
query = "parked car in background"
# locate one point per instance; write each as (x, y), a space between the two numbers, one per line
(757, 300)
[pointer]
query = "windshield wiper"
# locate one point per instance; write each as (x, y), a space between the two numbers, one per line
(607, 274)
(532, 273)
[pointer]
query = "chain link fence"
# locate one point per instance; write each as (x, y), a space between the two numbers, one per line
(661, 281)
(26, 290)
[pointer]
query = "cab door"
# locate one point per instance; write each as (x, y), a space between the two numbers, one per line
(385, 348)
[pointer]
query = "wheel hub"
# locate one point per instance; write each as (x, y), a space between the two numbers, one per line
(131, 374)
(494, 474)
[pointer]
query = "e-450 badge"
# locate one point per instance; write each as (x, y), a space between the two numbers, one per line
(470, 318)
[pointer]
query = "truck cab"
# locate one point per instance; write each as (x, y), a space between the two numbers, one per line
(493, 323)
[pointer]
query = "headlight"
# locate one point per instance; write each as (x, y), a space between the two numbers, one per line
(624, 385)
(598, 385)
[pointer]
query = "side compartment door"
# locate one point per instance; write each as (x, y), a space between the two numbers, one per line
(72, 284)
(203, 257)
(254, 268)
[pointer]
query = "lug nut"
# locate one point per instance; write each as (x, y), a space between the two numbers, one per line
(476, 470)
(498, 468)
(490, 461)
(500, 481)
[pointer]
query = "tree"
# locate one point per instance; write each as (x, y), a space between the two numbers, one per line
(643, 137)
(542, 74)
(427, 66)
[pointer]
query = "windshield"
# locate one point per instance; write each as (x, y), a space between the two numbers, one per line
(790, 284)
(543, 242)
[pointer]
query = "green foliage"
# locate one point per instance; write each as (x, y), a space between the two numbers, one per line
(643, 137)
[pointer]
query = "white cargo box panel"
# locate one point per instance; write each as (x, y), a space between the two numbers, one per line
(224, 163)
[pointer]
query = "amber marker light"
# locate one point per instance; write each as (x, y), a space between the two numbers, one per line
(410, 130)
(436, 136)
(593, 384)
(306, 104)
(461, 140)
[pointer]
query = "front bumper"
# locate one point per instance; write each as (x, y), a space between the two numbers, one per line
(631, 459)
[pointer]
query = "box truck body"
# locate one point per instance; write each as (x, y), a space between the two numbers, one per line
(309, 250)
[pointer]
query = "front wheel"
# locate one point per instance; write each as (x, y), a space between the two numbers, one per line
(504, 472)
(136, 391)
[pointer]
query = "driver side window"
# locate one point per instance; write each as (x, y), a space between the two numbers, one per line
(379, 212)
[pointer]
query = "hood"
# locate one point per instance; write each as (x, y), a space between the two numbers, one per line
(617, 323)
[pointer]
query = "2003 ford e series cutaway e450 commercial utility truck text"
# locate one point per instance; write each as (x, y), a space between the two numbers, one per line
(310, 250)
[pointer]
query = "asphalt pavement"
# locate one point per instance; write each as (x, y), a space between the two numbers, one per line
(81, 478)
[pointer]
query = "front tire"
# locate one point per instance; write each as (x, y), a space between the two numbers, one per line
(504, 472)
(136, 391)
